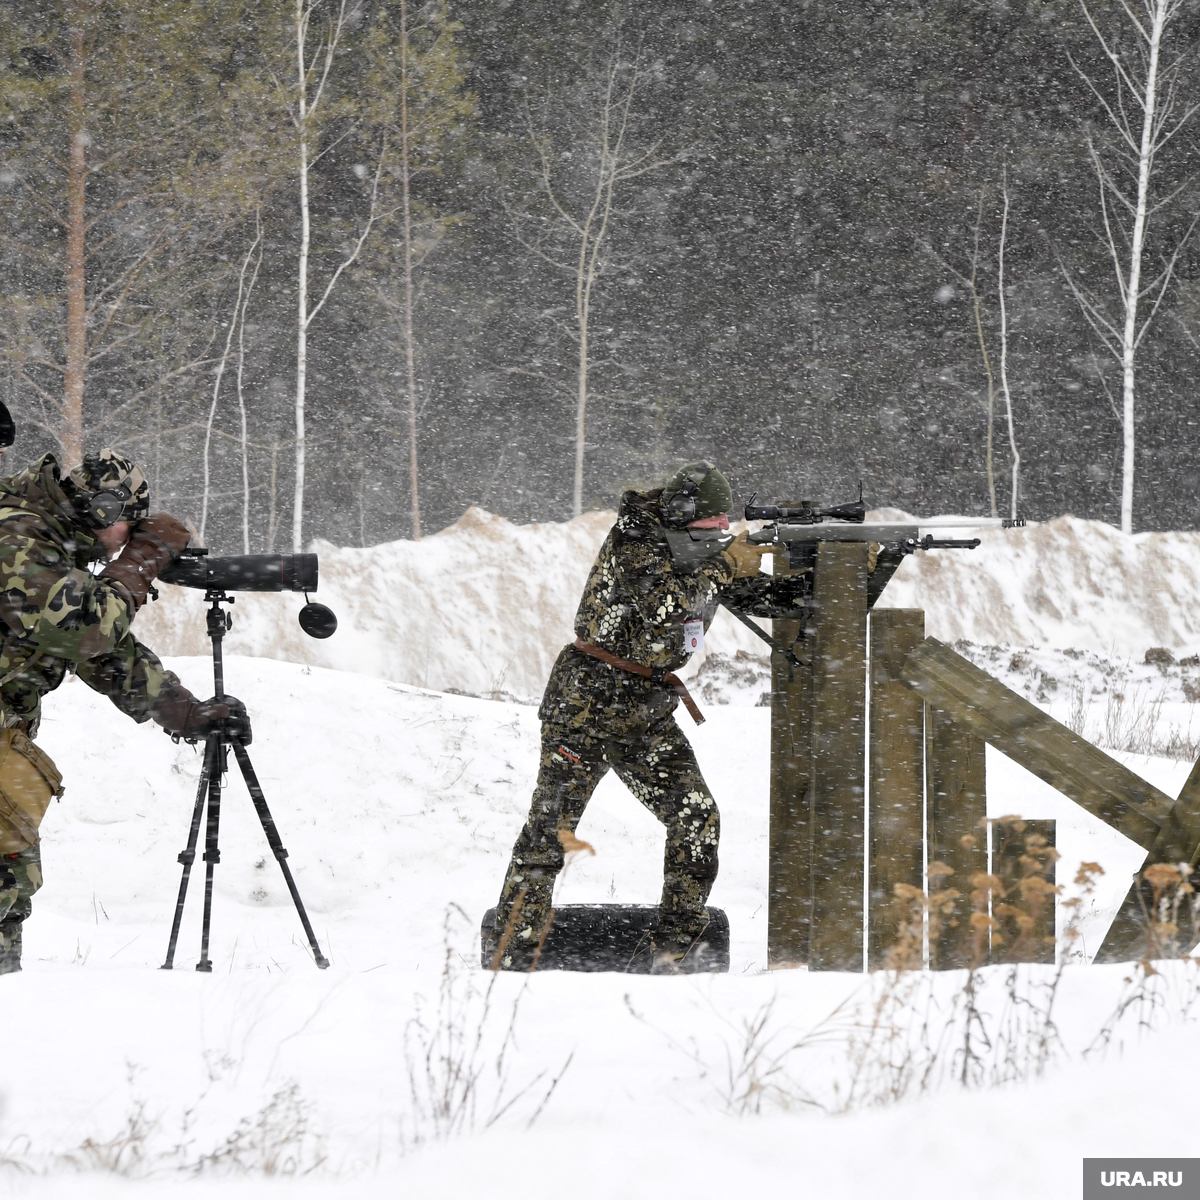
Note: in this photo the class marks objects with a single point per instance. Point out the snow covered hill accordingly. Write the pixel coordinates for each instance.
(398, 807)
(484, 606)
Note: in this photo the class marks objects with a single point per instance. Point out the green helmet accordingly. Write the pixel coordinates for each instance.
(694, 492)
(108, 488)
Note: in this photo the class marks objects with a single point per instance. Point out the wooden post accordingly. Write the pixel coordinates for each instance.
(838, 772)
(789, 869)
(956, 832)
(1024, 850)
(897, 776)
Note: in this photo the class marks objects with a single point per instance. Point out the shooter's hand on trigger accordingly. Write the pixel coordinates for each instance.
(744, 558)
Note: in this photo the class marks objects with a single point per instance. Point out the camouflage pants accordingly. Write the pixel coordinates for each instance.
(660, 769)
(20, 877)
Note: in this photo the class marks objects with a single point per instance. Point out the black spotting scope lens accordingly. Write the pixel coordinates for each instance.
(244, 572)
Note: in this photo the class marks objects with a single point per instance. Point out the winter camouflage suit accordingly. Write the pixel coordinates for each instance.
(596, 717)
(56, 616)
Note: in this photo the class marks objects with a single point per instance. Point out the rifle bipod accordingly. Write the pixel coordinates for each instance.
(216, 760)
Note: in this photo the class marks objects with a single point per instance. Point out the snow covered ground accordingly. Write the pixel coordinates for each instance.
(399, 806)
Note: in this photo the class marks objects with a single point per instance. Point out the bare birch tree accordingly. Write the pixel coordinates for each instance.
(422, 104)
(580, 171)
(1015, 490)
(971, 281)
(235, 324)
(313, 107)
(1144, 110)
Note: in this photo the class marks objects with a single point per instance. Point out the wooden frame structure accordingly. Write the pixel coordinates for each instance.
(916, 781)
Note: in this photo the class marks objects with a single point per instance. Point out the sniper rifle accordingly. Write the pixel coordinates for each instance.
(793, 532)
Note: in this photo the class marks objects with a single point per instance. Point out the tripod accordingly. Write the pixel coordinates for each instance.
(216, 760)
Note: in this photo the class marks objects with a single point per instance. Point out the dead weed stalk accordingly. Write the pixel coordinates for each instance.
(458, 1055)
(1164, 985)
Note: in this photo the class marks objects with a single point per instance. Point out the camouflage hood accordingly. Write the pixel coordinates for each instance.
(638, 515)
(39, 489)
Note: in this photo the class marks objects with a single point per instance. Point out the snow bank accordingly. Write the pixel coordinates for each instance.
(1067, 584)
(485, 606)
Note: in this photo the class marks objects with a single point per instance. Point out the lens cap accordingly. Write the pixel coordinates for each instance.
(317, 621)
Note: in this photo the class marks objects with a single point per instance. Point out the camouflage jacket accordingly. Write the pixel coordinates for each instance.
(56, 615)
(635, 605)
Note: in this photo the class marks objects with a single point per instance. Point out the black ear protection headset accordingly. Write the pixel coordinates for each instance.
(679, 510)
(104, 508)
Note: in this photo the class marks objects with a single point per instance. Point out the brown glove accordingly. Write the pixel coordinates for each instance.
(744, 558)
(182, 715)
(154, 543)
(872, 556)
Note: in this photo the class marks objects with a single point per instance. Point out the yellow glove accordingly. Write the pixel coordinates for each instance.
(744, 558)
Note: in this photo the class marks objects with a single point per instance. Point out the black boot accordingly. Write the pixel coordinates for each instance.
(10, 947)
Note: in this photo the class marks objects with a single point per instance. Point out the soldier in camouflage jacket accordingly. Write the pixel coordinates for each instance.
(56, 616)
(648, 599)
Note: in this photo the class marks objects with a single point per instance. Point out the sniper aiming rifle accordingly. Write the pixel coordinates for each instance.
(793, 532)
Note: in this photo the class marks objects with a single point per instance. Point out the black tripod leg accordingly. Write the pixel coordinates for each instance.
(273, 840)
(188, 856)
(212, 855)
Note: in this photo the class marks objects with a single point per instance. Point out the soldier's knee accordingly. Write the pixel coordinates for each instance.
(697, 811)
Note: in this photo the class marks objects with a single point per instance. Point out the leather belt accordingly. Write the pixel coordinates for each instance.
(655, 673)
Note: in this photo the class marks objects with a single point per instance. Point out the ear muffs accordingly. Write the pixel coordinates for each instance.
(106, 507)
(679, 510)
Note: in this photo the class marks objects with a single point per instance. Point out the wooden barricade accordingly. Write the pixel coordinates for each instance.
(932, 714)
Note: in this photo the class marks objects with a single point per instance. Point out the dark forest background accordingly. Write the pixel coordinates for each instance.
(777, 295)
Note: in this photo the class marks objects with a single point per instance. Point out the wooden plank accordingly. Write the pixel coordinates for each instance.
(1178, 841)
(838, 780)
(956, 833)
(1037, 742)
(896, 794)
(789, 866)
(1024, 849)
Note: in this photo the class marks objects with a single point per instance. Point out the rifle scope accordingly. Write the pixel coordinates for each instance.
(243, 572)
(806, 514)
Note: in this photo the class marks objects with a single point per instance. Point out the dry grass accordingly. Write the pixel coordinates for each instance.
(1132, 721)
(757, 1056)
(1152, 996)
(278, 1140)
(912, 1030)
(458, 1054)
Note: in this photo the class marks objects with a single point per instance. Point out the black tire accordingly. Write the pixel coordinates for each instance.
(612, 937)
